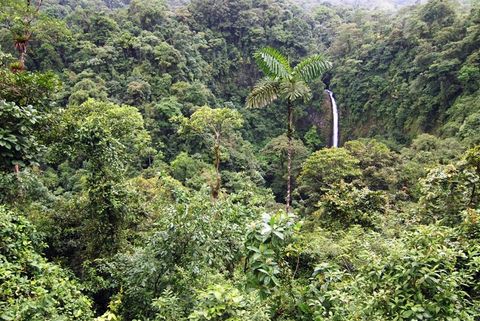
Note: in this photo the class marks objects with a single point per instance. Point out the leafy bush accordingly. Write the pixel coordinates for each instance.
(345, 205)
(18, 142)
(265, 243)
(186, 243)
(321, 171)
(450, 189)
(30, 287)
(427, 278)
(224, 302)
(376, 161)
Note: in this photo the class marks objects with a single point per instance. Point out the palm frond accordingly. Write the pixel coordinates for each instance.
(295, 89)
(312, 67)
(264, 93)
(272, 63)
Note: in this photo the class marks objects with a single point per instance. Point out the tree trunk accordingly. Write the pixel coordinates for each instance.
(21, 47)
(216, 188)
(23, 56)
(21, 44)
(289, 153)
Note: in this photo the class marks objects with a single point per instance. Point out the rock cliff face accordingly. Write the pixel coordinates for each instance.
(319, 114)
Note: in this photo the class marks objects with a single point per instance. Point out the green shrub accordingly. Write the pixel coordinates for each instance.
(32, 289)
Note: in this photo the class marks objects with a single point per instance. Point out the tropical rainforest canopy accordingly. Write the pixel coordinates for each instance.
(173, 160)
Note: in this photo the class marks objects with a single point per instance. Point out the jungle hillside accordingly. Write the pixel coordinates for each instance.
(239, 160)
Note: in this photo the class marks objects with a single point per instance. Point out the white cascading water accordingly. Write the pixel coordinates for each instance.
(335, 119)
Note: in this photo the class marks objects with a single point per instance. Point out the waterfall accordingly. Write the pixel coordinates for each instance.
(335, 119)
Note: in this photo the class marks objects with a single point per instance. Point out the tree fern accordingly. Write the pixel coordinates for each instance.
(311, 67)
(293, 90)
(273, 63)
(290, 84)
(264, 93)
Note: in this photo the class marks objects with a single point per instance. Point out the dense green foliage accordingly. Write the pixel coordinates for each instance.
(32, 288)
(417, 73)
(138, 183)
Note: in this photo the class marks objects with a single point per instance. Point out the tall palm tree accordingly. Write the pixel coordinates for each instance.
(289, 84)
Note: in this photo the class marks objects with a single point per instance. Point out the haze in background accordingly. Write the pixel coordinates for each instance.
(371, 4)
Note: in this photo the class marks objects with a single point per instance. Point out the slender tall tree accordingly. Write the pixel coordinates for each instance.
(287, 83)
(217, 126)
